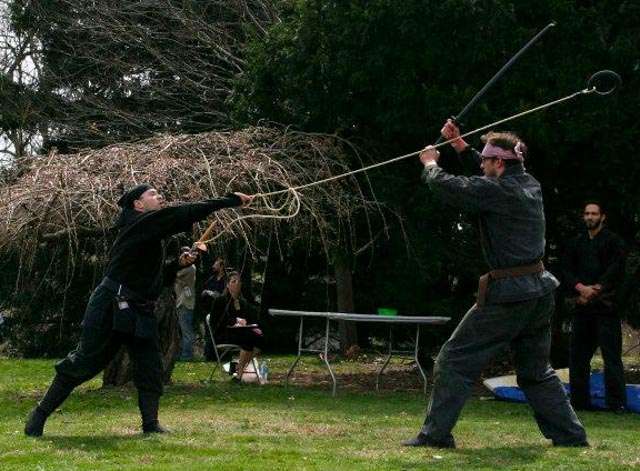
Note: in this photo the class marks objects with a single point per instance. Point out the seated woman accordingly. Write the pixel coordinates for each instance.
(233, 322)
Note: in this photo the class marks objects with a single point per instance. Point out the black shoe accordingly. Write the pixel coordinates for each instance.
(422, 440)
(154, 427)
(573, 444)
(618, 410)
(35, 423)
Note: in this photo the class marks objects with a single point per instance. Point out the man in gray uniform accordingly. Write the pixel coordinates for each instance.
(515, 299)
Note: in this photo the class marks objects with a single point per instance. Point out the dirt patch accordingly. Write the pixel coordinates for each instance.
(361, 377)
(358, 376)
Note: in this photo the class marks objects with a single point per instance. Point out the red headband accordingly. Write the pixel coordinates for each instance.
(498, 152)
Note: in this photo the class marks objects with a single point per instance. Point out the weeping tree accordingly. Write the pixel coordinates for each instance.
(59, 209)
(122, 70)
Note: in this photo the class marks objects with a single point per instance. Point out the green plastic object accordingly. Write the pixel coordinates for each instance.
(387, 311)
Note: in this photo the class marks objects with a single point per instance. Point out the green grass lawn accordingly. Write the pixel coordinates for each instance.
(221, 426)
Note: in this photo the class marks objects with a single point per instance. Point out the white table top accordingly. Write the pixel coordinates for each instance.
(347, 316)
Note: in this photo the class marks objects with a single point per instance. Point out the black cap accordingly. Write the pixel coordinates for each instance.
(127, 199)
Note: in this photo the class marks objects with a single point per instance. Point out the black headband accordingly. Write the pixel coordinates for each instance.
(127, 199)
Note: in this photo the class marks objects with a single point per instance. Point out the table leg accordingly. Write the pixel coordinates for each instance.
(325, 357)
(415, 356)
(300, 337)
(386, 361)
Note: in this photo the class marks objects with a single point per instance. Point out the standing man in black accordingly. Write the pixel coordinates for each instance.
(593, 270)
(515, 299)
(120, 310)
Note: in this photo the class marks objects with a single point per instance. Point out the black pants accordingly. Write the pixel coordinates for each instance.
(99, 343)
(482, 335)
(589, 332)
(247, 339)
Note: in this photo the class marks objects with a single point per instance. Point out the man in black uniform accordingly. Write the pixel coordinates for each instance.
(120, 310)
(515, 299)
(593, 270)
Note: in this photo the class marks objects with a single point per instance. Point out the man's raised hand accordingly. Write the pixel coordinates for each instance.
(429, 156)
(451, 131)
(187, 258)
(246, 199)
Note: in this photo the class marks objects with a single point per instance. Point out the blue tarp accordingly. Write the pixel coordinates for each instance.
(515, 394)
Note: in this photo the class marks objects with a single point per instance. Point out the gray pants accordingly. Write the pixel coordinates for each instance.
(485, 333)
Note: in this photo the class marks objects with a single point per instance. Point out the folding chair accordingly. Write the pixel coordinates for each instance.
(222, 350)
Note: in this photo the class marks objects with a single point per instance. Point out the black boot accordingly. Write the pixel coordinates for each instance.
(148, 404)
(580, 443)
(35, 422)
(154, 427)
(422, 440)
(60, 388)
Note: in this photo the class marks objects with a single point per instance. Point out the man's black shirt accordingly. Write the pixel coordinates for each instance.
(595, 261)
(136, 259)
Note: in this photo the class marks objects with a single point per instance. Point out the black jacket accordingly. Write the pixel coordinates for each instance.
(600, 260)
(136, 259)
(225, 313)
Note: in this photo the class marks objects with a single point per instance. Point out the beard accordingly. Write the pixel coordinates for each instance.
(592, 224)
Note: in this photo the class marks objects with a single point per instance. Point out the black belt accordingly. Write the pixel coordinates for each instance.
(120, 289)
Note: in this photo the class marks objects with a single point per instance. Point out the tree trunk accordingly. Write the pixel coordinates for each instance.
(120, 370)
(344, 295)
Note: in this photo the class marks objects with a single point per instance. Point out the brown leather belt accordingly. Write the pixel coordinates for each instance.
(500, 273)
